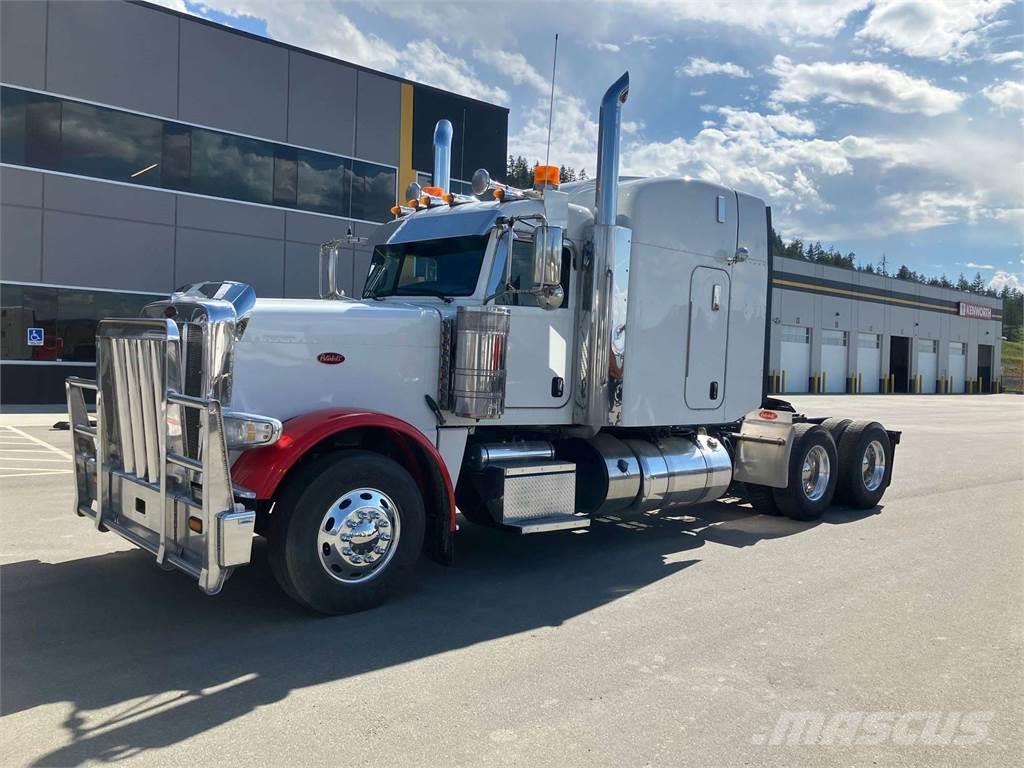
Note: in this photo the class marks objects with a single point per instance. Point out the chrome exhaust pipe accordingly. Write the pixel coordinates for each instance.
(609, 129)
(601, 323)
(443, 155)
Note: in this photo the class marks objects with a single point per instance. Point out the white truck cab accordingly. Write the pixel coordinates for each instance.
(533, 359)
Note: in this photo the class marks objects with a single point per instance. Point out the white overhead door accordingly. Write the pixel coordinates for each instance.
(927, 364)
(796, 358)
(869, 361)
(833, 361)
(957, 365)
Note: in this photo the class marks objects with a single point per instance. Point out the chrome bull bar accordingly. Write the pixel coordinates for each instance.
(134, 474)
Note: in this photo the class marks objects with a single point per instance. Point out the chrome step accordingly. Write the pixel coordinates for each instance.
(534, 495)
(552, 523)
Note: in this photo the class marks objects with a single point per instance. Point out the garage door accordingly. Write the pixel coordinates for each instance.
(796, 358)
(957, 365)
(869, 361)
(927, 364)
(833, 361)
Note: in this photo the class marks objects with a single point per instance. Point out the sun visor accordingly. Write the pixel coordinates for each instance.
(444, 223)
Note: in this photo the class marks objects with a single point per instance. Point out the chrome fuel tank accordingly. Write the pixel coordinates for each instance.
(680, 471)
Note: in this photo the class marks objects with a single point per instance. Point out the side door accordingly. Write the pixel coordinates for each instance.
(709, 338)
(539, 361)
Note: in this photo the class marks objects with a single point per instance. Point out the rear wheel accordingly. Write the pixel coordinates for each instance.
(865, 464)
(812, 474)
(346, 532)
(836, 427)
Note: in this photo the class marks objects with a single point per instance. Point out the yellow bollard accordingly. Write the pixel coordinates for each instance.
(892, 383)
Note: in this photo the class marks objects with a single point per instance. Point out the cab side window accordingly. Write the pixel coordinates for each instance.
(521, 276)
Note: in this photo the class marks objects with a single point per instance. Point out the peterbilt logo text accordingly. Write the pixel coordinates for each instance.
(330, 358)
(768, 415)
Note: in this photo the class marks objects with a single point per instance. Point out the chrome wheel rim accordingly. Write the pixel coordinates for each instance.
(359, 535)
(815, 473)
(872, 466)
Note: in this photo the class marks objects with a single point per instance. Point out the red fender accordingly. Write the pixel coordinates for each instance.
(262, 469)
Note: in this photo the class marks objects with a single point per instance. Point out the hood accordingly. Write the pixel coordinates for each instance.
(300, 355)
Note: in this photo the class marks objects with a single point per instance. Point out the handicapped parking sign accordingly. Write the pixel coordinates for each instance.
(35, 337)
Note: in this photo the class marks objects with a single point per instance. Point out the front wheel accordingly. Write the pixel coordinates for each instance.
(346, 532)
(813, 472)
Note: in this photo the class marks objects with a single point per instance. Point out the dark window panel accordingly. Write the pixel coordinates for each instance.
(78, 312)
(23, 307)
(177, 157)
(286, 172)
(111, 145)
(373, 191)
(12, 126)
(42, 132)
(324, 183)
(485, 144)
(232, 166)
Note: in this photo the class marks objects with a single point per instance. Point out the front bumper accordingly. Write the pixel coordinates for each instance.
(141, 473)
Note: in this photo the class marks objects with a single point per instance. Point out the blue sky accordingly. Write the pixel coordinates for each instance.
(875, 126)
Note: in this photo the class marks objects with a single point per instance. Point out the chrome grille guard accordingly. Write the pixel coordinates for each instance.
(134, 473)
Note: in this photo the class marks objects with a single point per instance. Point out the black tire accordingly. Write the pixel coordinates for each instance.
(854, 489)
(836, 427)
(793, 500)
(294, 551)
(762, 499)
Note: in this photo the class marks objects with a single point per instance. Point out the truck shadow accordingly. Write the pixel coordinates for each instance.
(114, 631)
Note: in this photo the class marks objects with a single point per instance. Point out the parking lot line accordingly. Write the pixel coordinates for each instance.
(37, 441)
(30, 458)
(35, 473)
(22, 455)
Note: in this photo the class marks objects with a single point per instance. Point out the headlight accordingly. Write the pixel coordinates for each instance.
(245, 430)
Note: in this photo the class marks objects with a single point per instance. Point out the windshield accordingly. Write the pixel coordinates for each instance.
(445, 267)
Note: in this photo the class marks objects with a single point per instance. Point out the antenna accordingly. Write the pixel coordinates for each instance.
(551, 106)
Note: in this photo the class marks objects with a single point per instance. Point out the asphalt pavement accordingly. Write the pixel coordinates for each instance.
(710, 636)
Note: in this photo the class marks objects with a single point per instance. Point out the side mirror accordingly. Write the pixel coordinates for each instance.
(547, 256)
(547, 266)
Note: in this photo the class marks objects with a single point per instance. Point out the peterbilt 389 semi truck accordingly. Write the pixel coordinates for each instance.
(534, 359)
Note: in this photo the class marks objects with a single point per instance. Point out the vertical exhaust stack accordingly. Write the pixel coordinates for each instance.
(601, 325)
(443, 155)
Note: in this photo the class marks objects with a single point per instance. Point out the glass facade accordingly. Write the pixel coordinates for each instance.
(51, 133)
(67, 317)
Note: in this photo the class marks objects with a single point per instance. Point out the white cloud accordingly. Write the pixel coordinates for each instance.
(867, 83)
(698, 93)
(322, 27)
(929, 28)
(698, 66)
(1003, 279)
(915, 211)
(428, 63)
(1007, 95)
(801, 18)
(972, 265)
(515, 66)
(609, 47)
(1005, 57)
